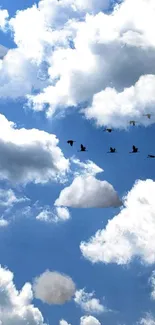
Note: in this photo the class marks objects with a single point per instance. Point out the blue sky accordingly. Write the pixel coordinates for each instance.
(109, 78)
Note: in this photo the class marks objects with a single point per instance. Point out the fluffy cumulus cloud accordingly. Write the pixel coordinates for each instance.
(116, 108)
(66, 31)
(54, 288)
(101, 40)
(16, 307)
(88, 192)
(88, 302)
(89, 320)
(29, 155)
(50, 216)
(148, 320)
(129, 234)
(86, 320)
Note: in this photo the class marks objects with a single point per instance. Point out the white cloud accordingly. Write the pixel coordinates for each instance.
(89, 320)
(63, 322)
(88, 192)
(3, 51)
(152, 283)
(86, 320)
(115, 90)
(29, 155)
(85, 168)
(101, 40)
(62, 213)
(16, 306)
(59, 214)
(88, 303)
(3, 222)
(3, 18)
(18, 75)
(54, 288)
(129, 234)
(8, 198)
(113, 108)
(148, 320)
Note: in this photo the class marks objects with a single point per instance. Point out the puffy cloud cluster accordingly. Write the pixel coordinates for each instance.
(113, 47)
(89, 320)
(88, 192)
(29, 155)
(129, 234)
(148, 320)
(16, 307)
(85, 320)
(117, 51)
(88, 303)
(48, 215)
(54, 288)
(8, 198)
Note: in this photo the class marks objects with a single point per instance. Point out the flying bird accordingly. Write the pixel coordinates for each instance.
(108, 130)
(150, 156)
(132, 123)
(148, 115)
(83, 148)
(112, 150)
(134, 150)
(71, 142)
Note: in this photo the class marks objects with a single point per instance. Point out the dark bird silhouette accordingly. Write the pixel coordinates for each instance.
(148, 115)
(108, 130)
(83, 148)
(134, 150)
(112, 150)
(71, 142)
(150, 156)
(132, 123)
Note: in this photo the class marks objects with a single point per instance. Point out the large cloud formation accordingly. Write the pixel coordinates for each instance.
(129, 234)
(88, 192)
(54, 288)
(29, 155)
(118, 56)
(113, 47)
(16, 306)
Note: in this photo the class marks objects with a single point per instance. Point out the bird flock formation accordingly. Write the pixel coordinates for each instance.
(113, 150)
